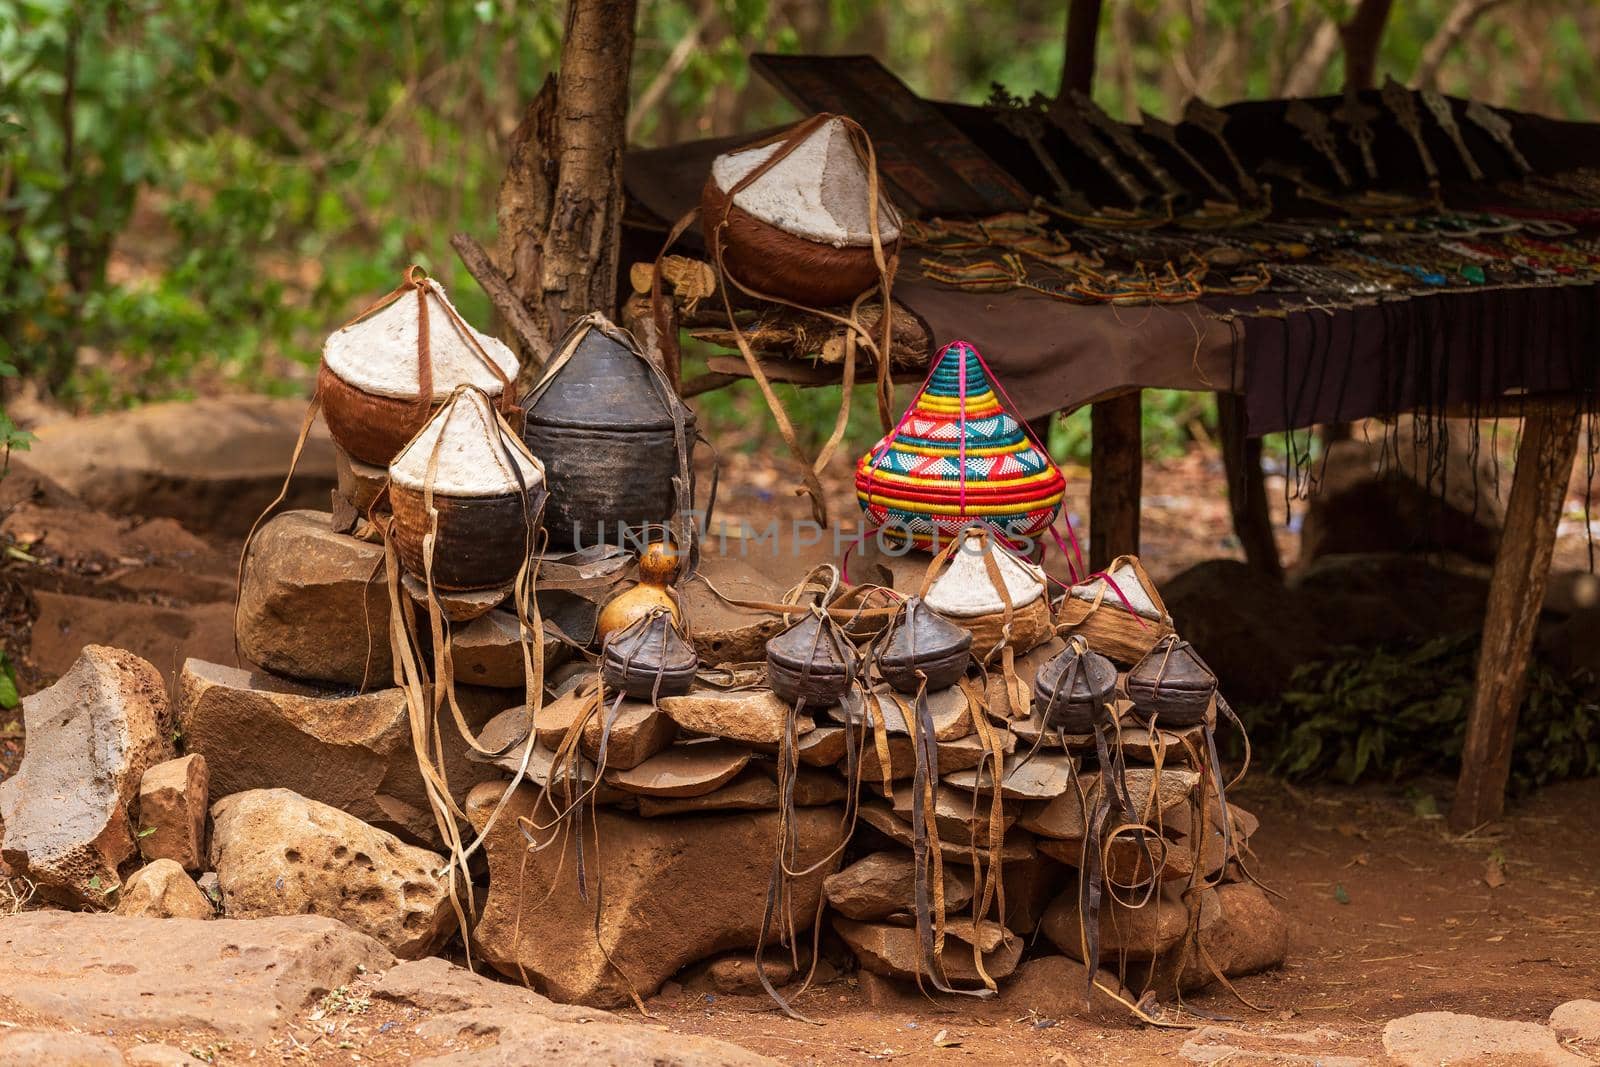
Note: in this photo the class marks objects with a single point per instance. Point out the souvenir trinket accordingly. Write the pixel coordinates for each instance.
(650, 658)
(924, 648)
(466, 495)
(1439, 107)
(383, 374)
(615, 439)
(793, 218)
(1171, 685)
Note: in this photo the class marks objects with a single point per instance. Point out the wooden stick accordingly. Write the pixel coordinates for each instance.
(1247, 489)
(511, 309)
(1516, 595)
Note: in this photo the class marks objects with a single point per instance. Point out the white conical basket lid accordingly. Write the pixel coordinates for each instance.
(473, 453)
(965, 590)
(378, 354)
(1128, 584)
(818, 191)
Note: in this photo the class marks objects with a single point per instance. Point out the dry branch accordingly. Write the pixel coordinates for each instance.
(515, 314)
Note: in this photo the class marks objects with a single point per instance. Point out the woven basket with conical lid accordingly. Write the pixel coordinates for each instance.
(383, 374)
(955, 458)
(1119, 612)
(800, 229)
(616, 442)
(812, 660)
(1172, 684)
(486, 492)
(966, 593)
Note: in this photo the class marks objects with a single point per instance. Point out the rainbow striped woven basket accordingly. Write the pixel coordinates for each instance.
(956, 457)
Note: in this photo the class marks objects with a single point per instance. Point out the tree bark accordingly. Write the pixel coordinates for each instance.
(1516, 595)
(1361, 36)
(560, 204)
(1116, 479)
(1083, 30)
(1305, 76)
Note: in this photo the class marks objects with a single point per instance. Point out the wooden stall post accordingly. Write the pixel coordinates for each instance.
(1247, 488)
(1516, 594)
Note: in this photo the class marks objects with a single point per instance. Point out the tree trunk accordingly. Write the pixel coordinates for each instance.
(1361, 36)
(1456, 26)
(560, 204)
(1083, 30)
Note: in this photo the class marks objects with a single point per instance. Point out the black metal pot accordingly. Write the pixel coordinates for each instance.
(1069, 688)
(1172, 684)
(603, 423)
(927, 642)
(649, 659)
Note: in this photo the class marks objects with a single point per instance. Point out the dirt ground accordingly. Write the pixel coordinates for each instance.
(1390, 913)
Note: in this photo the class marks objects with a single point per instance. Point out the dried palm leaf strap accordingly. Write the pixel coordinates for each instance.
(410, 674)
(685, 531)
(786, 853)
(886, 264)
(416, 280)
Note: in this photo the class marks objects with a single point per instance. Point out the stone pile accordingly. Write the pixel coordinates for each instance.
(299, 791)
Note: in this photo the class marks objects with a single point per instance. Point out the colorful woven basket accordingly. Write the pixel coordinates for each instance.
(957, 457)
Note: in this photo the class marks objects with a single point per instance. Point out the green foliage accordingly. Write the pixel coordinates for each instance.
(9, 697)
(1393, 714)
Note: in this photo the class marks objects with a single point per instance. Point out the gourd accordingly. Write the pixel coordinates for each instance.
(658, 567)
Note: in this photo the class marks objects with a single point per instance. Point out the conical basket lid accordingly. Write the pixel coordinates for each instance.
(923, 636)
(958, 457)
(818, 191)
(814, 640)
(1173, 665)
(966, 591)
(379, 352)
(598, 380)
(470, 451)
(650, 645)
(1096, 677)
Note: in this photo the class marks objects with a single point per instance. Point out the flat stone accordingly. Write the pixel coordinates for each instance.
(456, 605)
(164, 890)
(822, 747)
(54, 1048)
(1577, 1020)
(962, 754)
(1044, 777)
(883, 884)
(1127, 933)
(313, 603)
(488, 651)
(155, 1055)
(214, 463)
(1062, 818)
(438, 986)
(751, 791)
(523, 1039)
(277, 853)
(1229, 1045)
(1030, 887)
(1430, 1038)
(1246, 934)
(959, 819)
(687, 770)
(892, 951)
(239, 979)
(1019, 846)
(67, 812)
(173, 802)
(350, 751)
(1057, 988)
(948, 708)
(756, 716)
(557, 717)
(737, 975)
(675, 892)
(575, 773)
(721, 632)
(639, 730)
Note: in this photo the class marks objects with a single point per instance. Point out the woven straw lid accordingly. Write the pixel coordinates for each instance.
(471, 450)
(378, 353)
(966, 591)
(1128, 584)
(818, 191)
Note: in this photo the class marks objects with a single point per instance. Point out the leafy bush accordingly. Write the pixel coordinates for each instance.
(1391, 714)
